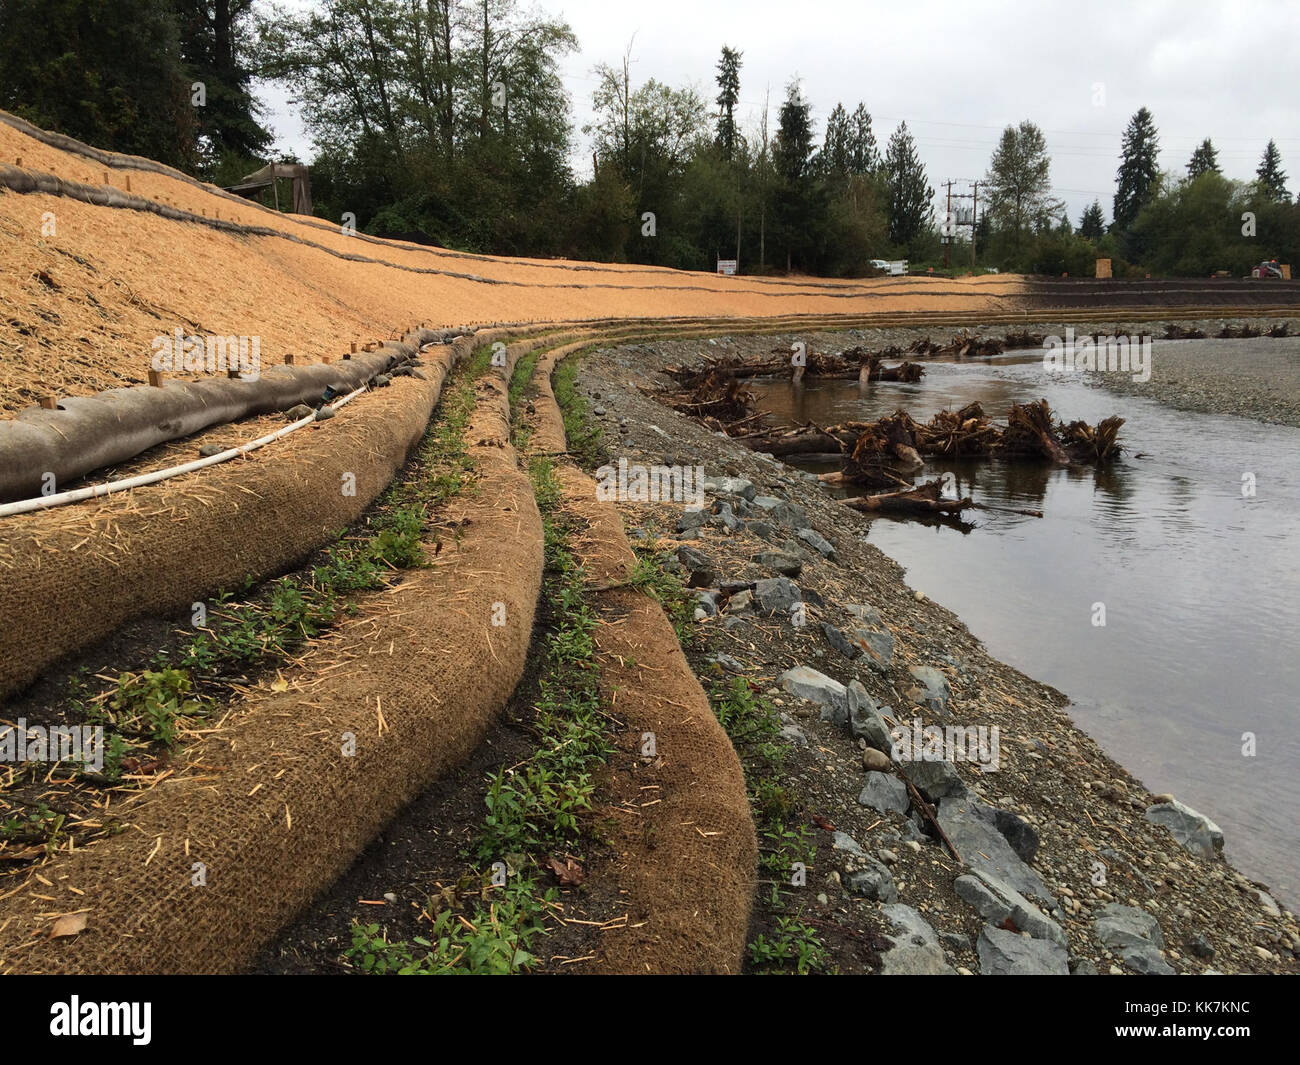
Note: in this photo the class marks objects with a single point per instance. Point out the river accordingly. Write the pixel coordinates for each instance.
(1200, 584)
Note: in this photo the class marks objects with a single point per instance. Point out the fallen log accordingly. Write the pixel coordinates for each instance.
(924, 499)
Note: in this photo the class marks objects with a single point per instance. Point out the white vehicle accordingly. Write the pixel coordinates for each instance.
(894, 268)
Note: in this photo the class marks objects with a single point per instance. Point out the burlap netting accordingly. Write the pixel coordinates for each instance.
(73, 575)
(687, 863)
(269, 802)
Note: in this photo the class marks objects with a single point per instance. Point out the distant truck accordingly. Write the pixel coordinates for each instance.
(1268, 268)
(894, 268)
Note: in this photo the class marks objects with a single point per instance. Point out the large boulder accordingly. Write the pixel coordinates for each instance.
(916, 950)
(1193, 830)
(1004, 953)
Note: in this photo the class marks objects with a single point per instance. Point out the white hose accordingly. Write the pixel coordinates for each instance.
(23, 506)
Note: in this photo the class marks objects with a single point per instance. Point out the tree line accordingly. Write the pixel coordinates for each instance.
(446, 121)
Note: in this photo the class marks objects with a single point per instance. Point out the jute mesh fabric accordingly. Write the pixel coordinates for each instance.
(271, 802)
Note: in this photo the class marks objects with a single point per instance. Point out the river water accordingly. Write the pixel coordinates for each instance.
(1200, 583)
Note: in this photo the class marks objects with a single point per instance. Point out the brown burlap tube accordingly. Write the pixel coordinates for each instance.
(271, 807)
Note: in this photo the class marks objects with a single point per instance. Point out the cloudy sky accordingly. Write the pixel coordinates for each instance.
(959, 72)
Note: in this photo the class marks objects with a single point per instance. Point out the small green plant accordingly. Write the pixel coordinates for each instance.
(792, 946)
(153, 701)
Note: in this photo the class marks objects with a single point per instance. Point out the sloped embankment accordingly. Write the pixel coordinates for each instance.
(274, 803)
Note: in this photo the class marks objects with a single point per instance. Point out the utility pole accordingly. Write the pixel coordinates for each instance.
(947, 225)
(974, 223)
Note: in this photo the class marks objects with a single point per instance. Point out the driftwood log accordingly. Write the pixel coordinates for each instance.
(923, 499)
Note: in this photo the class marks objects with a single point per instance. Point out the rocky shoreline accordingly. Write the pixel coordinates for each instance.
(1067, 863)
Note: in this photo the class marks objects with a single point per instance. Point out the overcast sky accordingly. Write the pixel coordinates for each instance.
(959, 72)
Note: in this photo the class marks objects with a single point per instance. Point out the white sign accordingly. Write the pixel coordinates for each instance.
(727, 266)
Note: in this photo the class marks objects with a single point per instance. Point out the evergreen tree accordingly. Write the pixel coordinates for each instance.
(1092, 223)
(1270, 175)
(792, 152)
(910, 194)
(836, 145)
(864, 156)
(215, 39)
(1138, 171)
(1205, 160)
(108, 72)
(728, 94)
(1019, 183)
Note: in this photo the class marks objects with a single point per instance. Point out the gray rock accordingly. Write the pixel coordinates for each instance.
(1083, 967)
(817, 542)
(778, 510)
(936, 779)
(829, 694)
(325, 414)
(776, 595)
(741, 603)
(729, 486)
(955, 940)
(761, 529)
(1018, 832)
(725, 517)
(1147, 960)
(838, 640)
(995, 900)
(876, 645)
(786, 565)
(703, 572)
(863, 613)
(707, 600)
(969, 824)
(1200, 946)
(794, 735)
(884, 793)
(842, 841)
(916, 950)
(692, 517)
(208, 450)
(383, 380)
(1194, 831)
(731, 665)
(931, 689)
(1003, 953)
(299, 412)
(1121, 926)
(865, 721)
(872, 880)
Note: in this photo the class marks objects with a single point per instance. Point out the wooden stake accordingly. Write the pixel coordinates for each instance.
(155, 379)
(128, 183)
(354, 347)
(288, 359)
(49, 402)
(232, 374)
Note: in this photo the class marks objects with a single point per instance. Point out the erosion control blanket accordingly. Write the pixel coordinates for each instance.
(74, 575)
(276, 802)
(687, 862)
